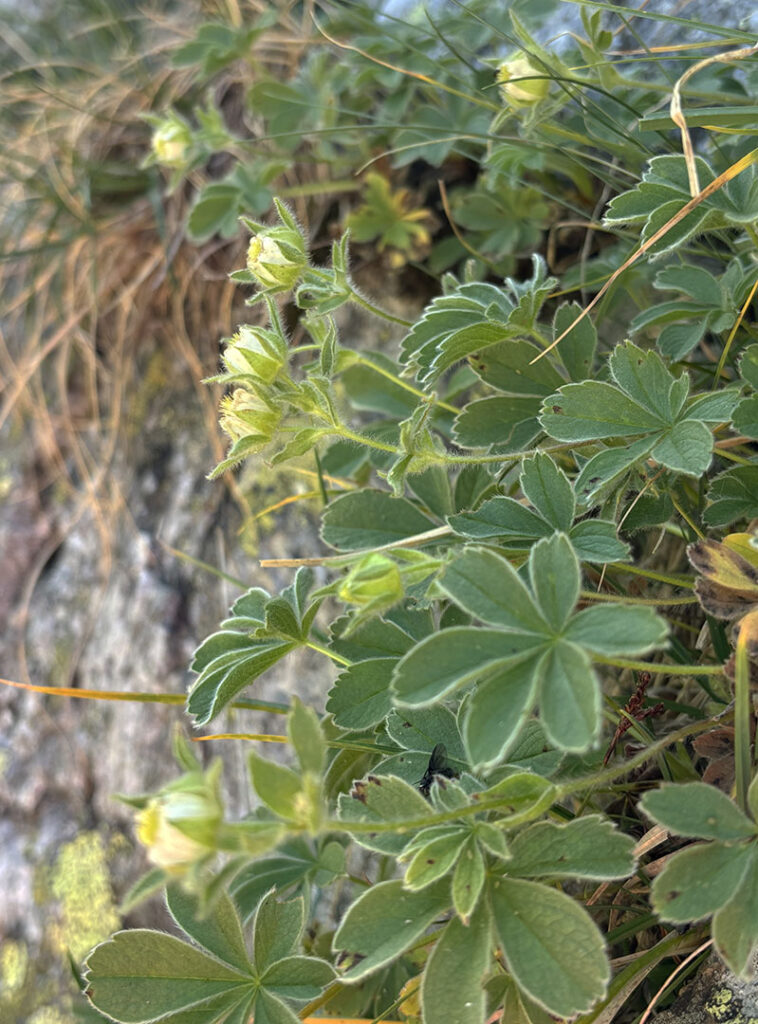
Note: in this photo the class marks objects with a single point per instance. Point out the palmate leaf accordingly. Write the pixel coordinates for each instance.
(540, 651)
(661, 194)
(142, 975)
(260, 632)
(646, 401)
(718, 878)
(552, 496)
(472, 318)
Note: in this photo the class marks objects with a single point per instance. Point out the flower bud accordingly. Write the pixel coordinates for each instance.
(526, 90)
(180, 824)
(375, 580)
(172, 142)
(276, 258)
(255, 351)
(244, 414)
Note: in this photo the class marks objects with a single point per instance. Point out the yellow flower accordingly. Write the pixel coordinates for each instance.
(180, 824)
(171, 142)
(518, 85)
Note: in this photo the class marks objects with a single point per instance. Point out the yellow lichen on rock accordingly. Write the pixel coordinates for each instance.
(80, 882)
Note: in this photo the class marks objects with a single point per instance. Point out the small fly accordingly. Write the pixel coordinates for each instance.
(437, 766)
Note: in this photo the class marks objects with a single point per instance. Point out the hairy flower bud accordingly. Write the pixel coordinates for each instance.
(171, 142)
(518, 86)
(180, 824)
(257, 352)
(244, 414)
(276, 258)
(375, 579)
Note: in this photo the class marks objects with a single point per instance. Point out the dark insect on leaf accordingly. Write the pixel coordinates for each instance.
(437, 766)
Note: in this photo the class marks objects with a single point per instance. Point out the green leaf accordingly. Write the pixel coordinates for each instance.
(644, 378)
(377, 638)
(699, 810)
(497, 709)
(551, 946)
(610, 629)
(382, 800)
(500, 517)
(432, 488)
(368, 519)
(489, 588)
(276, 931)
(602, 469)
(595, 540)
(290, 866)
(549, 490)
(276, 785)
(472, 483)
(298, 977)
(361, 696)
(384, 921)
(745, 417)
(686, 448)
(215, 211)
(303, 441)
(569, 697)
(222, 679)
(690, 225)
(594, 410)
(509, 367)
(749, 365)
(372, 391)
(555, 578)
(468, 879)
(588, 847)
(433, 860)
(141, 975)
(508, 422)
(577, 350)
(451, 989)
(518, 792)
(306, 737)
(219, 931)
(731, 496)
(735, 925)
(423, 728)
(699, 880)
(451, 659)
(144, 887)
(269, 1009)
(676, 340)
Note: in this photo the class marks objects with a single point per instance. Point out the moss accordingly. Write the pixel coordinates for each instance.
(79, 880)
